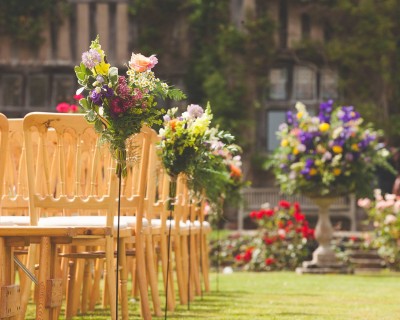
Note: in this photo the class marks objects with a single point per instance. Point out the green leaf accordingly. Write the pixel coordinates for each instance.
(113, 75)
(98, 125)
(91, 116)
(84, 104)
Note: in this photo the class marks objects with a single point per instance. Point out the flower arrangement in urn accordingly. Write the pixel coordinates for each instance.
(119, 105)
(330, 154)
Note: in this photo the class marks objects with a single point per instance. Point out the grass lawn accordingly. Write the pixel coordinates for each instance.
(286, 295)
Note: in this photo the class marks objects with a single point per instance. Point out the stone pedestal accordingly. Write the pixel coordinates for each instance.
(324, 258)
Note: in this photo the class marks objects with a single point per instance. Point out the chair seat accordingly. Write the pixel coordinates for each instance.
(14, 221)
(98, 221)
(206, 224)
(157, 223)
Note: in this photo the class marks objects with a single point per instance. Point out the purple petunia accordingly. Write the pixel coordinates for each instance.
(347, 114)
(96, 97)
(325, 110)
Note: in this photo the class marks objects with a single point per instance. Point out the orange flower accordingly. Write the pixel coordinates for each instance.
(140, 63)
(235, 171)
(172, 123)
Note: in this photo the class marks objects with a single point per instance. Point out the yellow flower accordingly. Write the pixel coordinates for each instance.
(313, 172)
(337, 149)
(284, 143)
(295, 151)
(299, 115)
(102, 68)
(324, 127)
(354, 147)
(337, 171)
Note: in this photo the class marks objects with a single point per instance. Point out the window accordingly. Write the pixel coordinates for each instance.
(274, 119)
(63, 89)
(305, 83)
(278, 79)
(38, 91)
(12, 94)
(329, 84)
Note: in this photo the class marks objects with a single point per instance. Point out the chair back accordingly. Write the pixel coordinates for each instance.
(68, 171)
(133, 186)
(3, 148)
(15, 198)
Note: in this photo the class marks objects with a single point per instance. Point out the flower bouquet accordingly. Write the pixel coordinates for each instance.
(183, 141)
(384, 212)
(331, 154)
(219, 173)
(119, 105)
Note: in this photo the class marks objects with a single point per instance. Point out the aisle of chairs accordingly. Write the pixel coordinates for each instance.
(58, 224)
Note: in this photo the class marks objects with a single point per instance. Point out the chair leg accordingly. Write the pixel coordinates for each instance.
(87, 284)
(44, 273)
(152, 275)
(123, 279)
(194, 265)
(164, 264)
(205, 262)
(111, 276)
(179, 270)
(95, 293)
(141, 278)
(27, 288)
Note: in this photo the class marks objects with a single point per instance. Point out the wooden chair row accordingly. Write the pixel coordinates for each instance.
(70, 181)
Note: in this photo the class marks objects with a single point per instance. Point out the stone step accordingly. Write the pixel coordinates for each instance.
(375, 263)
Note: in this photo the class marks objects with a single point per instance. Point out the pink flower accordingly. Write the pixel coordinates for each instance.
(73, 108)
(364, 203)
(390, 219)
(63, 107)
(140, 63)
(396, 207)
(78, 97)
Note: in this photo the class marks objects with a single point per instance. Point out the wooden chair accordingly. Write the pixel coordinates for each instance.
(69, 187)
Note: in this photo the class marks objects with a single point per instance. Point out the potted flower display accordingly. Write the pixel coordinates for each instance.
(325, 156)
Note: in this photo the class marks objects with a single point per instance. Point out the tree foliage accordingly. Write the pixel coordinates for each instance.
(365, 45)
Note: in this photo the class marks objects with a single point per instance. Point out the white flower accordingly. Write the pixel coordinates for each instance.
(390, 219)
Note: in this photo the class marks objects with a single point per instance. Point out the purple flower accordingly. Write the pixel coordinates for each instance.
(309, 163)
(325, 110)
(96, 97)
(91, 58)
(195, 111)
(166, 118)
(290, 119)
(100, 79)
(107, 91)
(347, 114)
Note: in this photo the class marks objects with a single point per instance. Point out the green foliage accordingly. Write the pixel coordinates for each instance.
(223, 64)
(24, 20)
(365, 46)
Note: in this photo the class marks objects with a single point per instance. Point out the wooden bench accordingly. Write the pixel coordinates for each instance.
(254, 198)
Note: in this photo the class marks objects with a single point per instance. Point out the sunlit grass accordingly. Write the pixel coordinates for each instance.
(286, 295)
